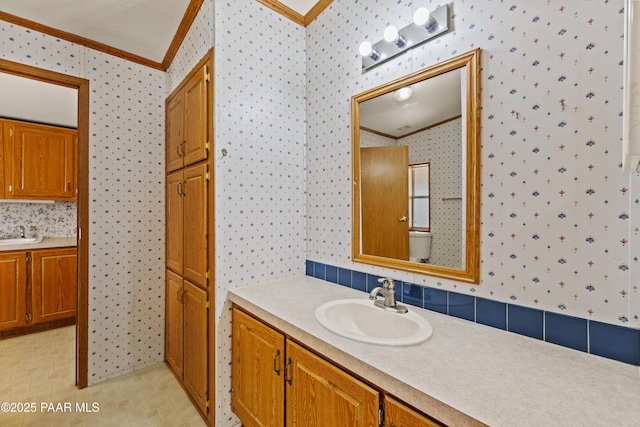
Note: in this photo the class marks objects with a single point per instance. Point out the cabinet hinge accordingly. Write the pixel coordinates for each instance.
(207, 76)
(206, 275)
(10, 132)
(207, 176)
(29, 317)
(29, 258)
(207, 305)
(207, 404)
(207, 146)
(381, 414)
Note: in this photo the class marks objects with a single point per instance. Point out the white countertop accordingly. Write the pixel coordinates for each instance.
(466, 373)
(46, 243)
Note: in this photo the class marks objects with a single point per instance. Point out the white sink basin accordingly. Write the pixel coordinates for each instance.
(360, 320)
(21, 241)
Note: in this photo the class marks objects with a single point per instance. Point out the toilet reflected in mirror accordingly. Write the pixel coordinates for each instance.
(420, 246)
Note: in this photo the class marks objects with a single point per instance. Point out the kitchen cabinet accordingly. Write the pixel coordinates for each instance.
(39, 161)
(54, 275)
(13, 287)
(277, 382)
(186, 336)
(39, 290)
(187, 121)
(189, 328)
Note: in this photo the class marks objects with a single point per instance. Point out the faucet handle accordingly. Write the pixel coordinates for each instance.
(387, 283)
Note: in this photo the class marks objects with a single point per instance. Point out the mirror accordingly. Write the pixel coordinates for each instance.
(416, 171)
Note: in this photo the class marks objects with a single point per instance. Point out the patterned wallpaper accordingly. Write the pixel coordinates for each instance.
(40, 219)
(558, 230)
(126, 191)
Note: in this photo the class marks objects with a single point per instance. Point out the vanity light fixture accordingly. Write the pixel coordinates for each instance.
(426, 25)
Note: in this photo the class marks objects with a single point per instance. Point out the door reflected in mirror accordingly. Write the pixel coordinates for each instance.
(416, 172)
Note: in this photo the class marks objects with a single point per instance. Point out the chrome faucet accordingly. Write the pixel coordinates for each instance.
(22, 231)
(388, 291)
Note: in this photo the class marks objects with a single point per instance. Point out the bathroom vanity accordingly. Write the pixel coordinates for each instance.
(464, 374)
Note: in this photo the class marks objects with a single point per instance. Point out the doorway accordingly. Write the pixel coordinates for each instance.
(82, 87)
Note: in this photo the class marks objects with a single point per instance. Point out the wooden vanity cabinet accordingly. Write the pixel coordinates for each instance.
(398, 414)
(39, 161)
(258, 358)
(13, 287)
(277, 382)
(319, 393)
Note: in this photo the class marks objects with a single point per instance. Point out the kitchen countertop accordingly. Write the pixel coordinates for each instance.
(47, 242)
(466, 373)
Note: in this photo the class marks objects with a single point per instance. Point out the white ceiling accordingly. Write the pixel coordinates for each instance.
(433, 101)
(141, 27)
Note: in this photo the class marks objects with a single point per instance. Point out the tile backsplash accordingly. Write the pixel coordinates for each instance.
(602, 339)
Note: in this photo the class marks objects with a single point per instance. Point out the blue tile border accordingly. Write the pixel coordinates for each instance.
(602, 339)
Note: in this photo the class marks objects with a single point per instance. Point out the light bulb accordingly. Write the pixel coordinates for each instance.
(366, 49)
(421, 16)
(403, 94)
(391, 34)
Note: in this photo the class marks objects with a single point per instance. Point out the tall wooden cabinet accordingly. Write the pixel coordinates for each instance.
(39, 161)
(189, 329)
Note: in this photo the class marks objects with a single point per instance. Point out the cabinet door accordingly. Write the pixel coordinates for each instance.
(195, 225)
(399, 415)
(175, 221)
(175, 132)
(40, 162)
(195, 118)
(321, 394)
(257, 372)
(174, 326)
(13, 285)
(195, 344)
(54, 274)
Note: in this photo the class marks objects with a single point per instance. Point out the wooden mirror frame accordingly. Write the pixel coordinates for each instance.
(471, 271)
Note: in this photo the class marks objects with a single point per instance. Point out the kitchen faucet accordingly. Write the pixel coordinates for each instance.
(388, 291)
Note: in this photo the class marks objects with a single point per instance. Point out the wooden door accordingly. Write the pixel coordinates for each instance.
(384, 196)
(195, 119)
(55, 284)
(175, 132)
(175, 222)
(399, 415)
(13, 286)
(195, 372)
(174, 326)
(41, 163)
(257, 376)
(320, 394)
(195, 225)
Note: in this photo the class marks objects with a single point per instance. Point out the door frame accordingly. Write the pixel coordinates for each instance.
(82, 311)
